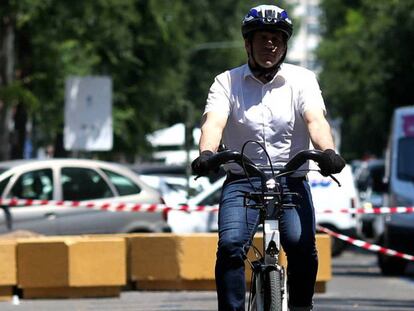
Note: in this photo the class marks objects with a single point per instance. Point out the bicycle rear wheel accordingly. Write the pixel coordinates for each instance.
(273, 290)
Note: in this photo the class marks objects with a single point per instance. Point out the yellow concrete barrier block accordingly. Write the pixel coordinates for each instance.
(8, 274)
(202, 247)
(169, 261)
(323, 245)
(154, 257)
(72, 292)
(70, 265)
(6, 293)
(8, 263)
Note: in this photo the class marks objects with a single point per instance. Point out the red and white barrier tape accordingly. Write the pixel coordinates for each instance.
(365, 245)
(109, 206)
(368, 209)
(139, 207)
(132, 207)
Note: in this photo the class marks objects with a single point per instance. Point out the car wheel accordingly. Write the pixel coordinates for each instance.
(141, 230)
(390, 265)
(337, 245)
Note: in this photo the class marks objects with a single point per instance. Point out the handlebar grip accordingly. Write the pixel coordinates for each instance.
(229, 156)
(300, 158)
(223, 157)
(297, 161)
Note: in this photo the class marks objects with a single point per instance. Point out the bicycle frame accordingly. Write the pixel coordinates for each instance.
(269, 278)
(267, 266)
(270, 235)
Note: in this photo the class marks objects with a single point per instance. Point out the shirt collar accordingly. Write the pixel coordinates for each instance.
(247, 72)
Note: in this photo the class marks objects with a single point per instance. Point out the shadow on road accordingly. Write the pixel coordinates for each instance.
(328, 304)
(359, 262)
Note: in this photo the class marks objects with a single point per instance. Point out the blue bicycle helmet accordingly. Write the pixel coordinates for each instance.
(267, 17)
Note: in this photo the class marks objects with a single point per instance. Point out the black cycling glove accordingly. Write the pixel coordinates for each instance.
(200, 164)
(333, 163)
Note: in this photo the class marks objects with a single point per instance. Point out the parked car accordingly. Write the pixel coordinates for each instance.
(398, 229)
(368, 178)
(176, 189)
(326, 196)
(158, 169)
(75, 180)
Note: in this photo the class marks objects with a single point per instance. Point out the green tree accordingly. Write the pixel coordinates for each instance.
(83, 38)
(161, 54)
(16, 97)
(365, 56)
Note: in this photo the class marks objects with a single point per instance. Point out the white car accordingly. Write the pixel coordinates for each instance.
(326, 196)
(174, 192)
(75, 180)
(176, 189)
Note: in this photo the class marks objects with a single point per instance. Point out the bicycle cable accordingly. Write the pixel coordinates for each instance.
(267, 156)
(261, 198)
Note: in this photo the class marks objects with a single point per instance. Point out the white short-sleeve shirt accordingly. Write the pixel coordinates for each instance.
(270, 113)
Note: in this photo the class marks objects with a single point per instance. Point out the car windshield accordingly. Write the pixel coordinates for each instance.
(123, 185)
(405, 163)
(212, 199)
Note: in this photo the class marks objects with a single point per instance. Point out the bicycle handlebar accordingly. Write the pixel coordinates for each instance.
(291, 166)
(300, 158)
(234, 156)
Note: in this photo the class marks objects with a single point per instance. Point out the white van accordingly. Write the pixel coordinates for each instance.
(330, 202)
(396, 231)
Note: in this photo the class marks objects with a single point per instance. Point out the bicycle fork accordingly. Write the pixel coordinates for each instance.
(268, 271)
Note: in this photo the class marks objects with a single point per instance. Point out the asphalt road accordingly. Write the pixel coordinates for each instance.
(356, 285)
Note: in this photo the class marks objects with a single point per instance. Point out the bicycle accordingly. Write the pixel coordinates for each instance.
(268, 286)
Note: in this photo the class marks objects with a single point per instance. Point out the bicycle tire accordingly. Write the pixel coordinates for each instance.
(273, 294)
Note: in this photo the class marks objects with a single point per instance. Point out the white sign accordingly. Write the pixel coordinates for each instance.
(88, 114)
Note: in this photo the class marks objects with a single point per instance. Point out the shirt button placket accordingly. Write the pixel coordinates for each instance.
(267, 115)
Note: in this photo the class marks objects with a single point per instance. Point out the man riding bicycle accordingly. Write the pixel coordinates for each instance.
(281, 106)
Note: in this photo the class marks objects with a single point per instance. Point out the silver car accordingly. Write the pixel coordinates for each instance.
(75, 180)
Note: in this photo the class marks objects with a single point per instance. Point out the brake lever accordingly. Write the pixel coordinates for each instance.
(335, 180)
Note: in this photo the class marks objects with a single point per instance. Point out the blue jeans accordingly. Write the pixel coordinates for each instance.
(236, 225)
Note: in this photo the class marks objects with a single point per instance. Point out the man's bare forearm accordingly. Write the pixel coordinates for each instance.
(211, 131)
(210, 138)
(319, 130)
(321, 136)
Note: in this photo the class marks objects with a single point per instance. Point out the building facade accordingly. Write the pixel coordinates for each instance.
(307, 36)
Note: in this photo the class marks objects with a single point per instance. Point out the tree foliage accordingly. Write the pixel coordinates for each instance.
(367, 68)
(148, 47)
(162, 56)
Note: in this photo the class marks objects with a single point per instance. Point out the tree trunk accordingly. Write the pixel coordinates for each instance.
(6, 77)
(18, 136)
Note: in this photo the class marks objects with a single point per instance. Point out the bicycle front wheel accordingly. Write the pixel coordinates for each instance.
(273, 290)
